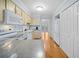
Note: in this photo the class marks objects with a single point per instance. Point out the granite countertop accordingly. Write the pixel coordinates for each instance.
(22, 49)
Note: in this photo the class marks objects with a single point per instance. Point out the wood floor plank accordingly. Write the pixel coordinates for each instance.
(52, 50)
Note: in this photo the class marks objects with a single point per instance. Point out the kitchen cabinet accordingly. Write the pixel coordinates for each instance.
(12, 18)
(18, 11)
(10, 5)
(36, 34)
(2, 7)
(26, 18)
(23, 18)
(35, 22)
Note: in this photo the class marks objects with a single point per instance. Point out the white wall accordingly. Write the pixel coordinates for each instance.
(66, 31)
(50, 27)
(61, 8)
(69, 28)
(56, 30)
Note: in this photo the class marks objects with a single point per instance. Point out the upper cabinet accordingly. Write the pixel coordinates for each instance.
(26, 18)
(23, 18)
(10, 5)
(18, 10)
(35, 22)
(2, 7)
(12, 18)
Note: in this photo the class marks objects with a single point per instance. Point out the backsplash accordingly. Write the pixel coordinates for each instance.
(6, 28)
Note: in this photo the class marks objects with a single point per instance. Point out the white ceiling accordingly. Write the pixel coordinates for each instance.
(50, 5)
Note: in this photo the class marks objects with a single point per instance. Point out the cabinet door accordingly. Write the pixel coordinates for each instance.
(2, 7)
(10, 5)
(35, 21)
(28, 18)
(18, 11)
(23, 18)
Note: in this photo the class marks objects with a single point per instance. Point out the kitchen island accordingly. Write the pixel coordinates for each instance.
(13, 48)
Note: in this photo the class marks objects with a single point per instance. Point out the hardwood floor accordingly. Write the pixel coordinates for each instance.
(52, 50)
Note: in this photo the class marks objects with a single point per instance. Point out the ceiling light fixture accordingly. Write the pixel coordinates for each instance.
(39, 8)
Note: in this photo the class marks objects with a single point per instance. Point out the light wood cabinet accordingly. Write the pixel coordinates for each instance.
(26, 18)
(29, 19)
(2, 7)
(35, 22)
(23, 17)
(18, 11)
(10, 5)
